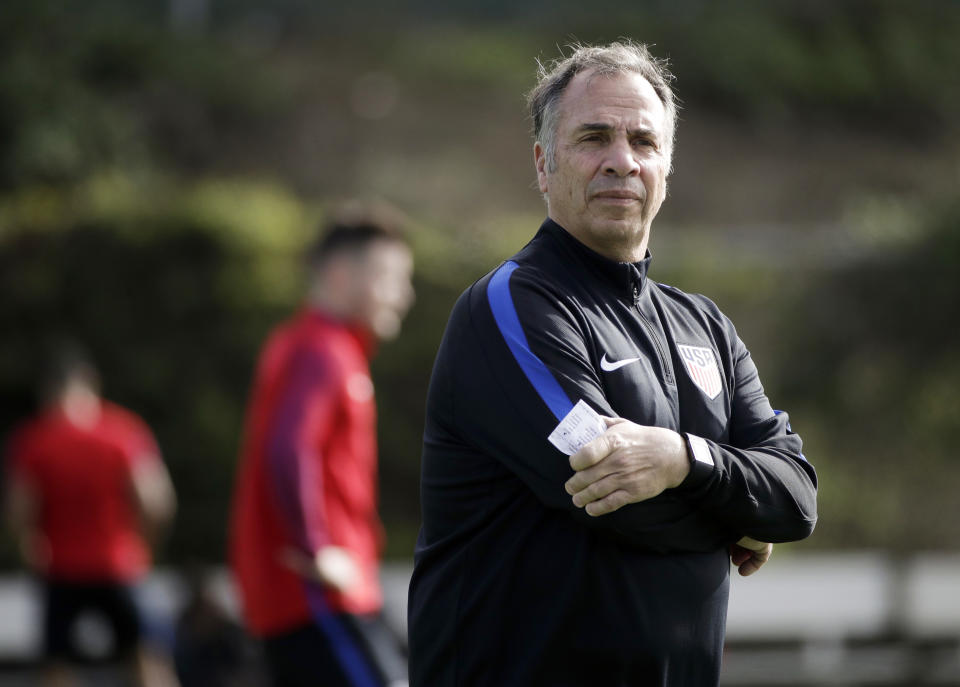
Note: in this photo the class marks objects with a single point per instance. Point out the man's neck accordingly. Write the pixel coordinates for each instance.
(629, 248)
(324, 300)
(81, 409)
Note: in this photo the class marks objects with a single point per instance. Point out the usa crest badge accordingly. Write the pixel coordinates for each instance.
(701, 365)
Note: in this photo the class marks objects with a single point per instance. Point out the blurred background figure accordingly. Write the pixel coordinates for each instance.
(306, 538)
(87, 498)
(211, 648)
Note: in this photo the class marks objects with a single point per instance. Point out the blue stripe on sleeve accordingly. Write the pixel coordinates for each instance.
(505, 315)
(285, 464)
(359, 672)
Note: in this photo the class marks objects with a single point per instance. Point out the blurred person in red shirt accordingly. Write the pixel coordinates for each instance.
(87, 496)
(305, 536)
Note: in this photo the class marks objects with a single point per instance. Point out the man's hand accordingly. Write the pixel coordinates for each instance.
(332, 566)
(749, 554)
(626, 464)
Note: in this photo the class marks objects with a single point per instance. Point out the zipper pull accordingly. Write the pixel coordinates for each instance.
(636, 295)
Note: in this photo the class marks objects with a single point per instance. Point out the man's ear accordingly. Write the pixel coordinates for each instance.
(540, 162)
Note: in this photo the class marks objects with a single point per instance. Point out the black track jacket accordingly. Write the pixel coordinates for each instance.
(515, 586)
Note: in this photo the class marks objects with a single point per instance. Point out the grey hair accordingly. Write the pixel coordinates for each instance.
(621, 57)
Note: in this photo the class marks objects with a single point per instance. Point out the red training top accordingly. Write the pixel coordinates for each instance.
(308, 474)
(89, 527)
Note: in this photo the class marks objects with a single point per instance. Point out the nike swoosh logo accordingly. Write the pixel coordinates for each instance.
(610, 366)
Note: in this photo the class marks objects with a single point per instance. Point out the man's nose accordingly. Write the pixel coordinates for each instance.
(621, 160)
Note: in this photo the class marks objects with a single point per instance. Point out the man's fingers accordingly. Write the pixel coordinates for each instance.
(749, 555)
(595, 490)
(638, 460)
(739, 555)
(583, 479)
(593, 452)
(337, 567)
(607, 466)
(608, 503)
(751, 566)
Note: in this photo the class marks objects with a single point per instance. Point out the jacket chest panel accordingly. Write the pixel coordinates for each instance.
(662, 371)
(629, 358)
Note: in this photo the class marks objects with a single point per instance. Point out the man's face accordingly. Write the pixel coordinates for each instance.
(382, 287)
(611, 163)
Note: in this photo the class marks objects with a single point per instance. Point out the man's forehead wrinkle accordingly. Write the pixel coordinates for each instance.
(632, 116)
(595, 126)
(605, 127)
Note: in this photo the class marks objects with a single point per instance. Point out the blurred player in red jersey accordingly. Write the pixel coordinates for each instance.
(87, 495)
(305, 536)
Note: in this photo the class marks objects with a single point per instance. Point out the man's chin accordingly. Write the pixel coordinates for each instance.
(386, 328)
(622, 227)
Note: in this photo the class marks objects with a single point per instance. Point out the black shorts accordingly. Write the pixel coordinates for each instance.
(341, 650)
(111, 602)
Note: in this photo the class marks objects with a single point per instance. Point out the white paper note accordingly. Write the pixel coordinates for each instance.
(580, 426)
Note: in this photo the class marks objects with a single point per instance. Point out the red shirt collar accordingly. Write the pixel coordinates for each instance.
(362, 335)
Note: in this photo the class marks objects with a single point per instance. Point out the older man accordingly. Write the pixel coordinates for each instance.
(610, 567)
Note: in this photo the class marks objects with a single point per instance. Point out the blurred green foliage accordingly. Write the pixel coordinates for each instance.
(159, 177)
(172, 302)
(880, 339)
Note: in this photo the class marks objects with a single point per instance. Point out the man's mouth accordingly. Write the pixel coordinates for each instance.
(621, 196)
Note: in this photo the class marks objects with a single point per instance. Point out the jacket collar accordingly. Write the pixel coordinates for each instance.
(627, 279)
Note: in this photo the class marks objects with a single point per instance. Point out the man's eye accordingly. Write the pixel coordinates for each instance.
(644, 143)
(591, 138)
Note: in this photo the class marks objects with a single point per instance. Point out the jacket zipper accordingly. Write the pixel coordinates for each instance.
(667, 369)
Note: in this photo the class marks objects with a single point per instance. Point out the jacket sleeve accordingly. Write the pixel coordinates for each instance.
(760, 484)
(295, 436)
(512, 363)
